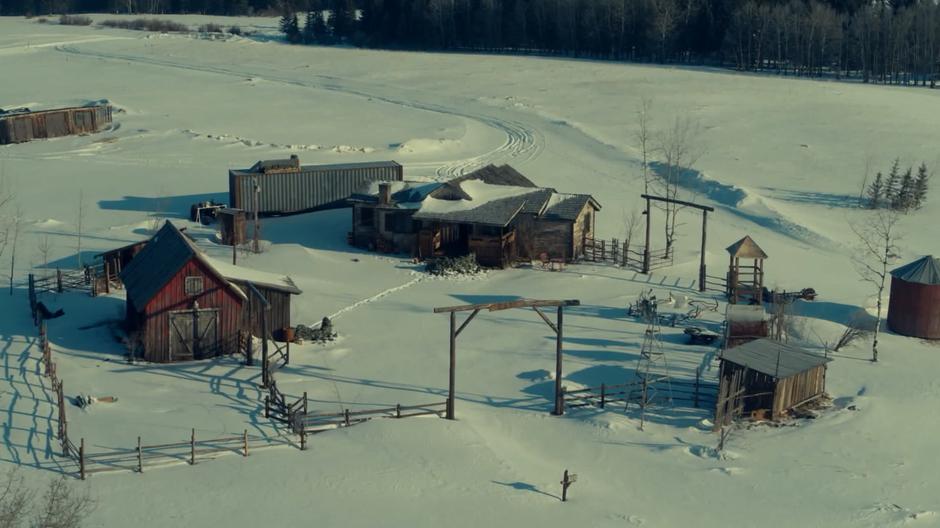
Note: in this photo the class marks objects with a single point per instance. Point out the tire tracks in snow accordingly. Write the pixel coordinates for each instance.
(523, 142)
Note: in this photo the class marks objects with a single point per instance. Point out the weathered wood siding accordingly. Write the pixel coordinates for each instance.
(798, 388)
(278, 314)
(155, 321)
(538, 235)
(19, 128)
(583, 228)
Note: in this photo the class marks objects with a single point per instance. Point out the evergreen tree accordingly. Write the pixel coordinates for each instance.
(310, 34)
(342, 19)
(920, 186)
(904, 198)
(891, 188)
(290, 26)
(876, 192)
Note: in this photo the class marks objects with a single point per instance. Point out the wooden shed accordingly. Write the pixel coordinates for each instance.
(914, 308)
(22, 126)
(114, 261)
(233, 225)
(183, 305)
(775, 377)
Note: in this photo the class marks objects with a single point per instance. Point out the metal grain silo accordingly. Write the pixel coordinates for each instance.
(914, 308)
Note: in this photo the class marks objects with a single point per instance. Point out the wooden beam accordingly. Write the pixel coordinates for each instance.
(546, 319)
(453, 367)
(519, 303)
(466, 322)
(559, 394)
(678, 202)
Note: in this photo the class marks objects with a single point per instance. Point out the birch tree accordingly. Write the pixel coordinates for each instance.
(644, 137)
(877, 251)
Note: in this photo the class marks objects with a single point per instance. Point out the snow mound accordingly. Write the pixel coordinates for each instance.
(425, 145)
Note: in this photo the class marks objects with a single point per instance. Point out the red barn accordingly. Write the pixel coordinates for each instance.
(179, 307)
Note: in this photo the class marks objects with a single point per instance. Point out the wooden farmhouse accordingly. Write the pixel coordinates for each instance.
(495, 213)
(775, 377)
(183, 305)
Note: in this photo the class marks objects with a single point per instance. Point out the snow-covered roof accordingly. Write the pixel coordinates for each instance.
(564, 206)
(256, 277)
(773, 358)
(925, 270)
(404, 194)
(488, 204)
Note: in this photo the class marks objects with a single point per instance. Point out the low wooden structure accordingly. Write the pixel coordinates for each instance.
(495, 213)
(233, 226)
(914, 308)
(648, 252)
(745, 323)
(183, 305)
(114, 261)
(536, 305)
(775, 377)
(746, 282)
(20, 126)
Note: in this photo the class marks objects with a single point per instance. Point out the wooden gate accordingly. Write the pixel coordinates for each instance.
(194, 334)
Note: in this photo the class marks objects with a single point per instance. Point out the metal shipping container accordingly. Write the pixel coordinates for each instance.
(309, 188)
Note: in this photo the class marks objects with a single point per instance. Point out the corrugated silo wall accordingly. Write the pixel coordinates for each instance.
(309, 190)
(914, 309)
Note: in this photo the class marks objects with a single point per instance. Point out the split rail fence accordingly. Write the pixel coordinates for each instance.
(696, 393)
(621, 254)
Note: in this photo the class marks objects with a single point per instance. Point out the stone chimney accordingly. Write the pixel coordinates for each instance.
(385, 193)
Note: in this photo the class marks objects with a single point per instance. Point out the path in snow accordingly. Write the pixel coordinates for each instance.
(522, 141)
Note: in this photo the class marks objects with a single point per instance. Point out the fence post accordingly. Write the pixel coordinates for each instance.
(58, 280)
(32, 296)
(397, 410)
(698, 375)
(624, 256)
(81, 459)
(267, 407)
(192, 448)
(603, 394)
(245, 443)
(614, 247)
(603, 250)
(346, 417)
(140, 457)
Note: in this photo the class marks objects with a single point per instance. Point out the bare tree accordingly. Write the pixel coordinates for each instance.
(62, 506)
(631, 224)
(79, 225)
(17, 219)
(15, 499)
(878, 236)
(644, 137)
(44, 246)
(679, 149)
(858, 327)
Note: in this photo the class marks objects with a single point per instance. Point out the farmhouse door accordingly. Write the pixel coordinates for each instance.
(194, 334)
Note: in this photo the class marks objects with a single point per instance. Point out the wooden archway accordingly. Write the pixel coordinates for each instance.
(474, 309)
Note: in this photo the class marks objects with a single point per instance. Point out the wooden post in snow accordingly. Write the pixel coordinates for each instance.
(81, 459)
(140, 457)
(701, 266)
(58, 280)
(559, 395)
(646, 245)
(453, 362)
(192, 448)
(566, 482)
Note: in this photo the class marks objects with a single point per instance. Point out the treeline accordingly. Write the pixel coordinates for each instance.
(888, 41)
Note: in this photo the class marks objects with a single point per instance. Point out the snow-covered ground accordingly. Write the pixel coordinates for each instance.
(783, 161)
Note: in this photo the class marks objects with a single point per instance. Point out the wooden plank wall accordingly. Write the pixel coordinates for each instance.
(155, 331)
(278, 316)
(798, 388)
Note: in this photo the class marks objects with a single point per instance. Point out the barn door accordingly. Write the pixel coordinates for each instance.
(194, 334)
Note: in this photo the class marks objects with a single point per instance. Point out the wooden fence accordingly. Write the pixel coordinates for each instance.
(622, 254)
(696, 393)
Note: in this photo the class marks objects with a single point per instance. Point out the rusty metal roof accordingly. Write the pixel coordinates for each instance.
(925, 270)
(746, 248)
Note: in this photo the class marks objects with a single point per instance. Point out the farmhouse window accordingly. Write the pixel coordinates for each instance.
(366, 217)
(398, 223)
(193, 285)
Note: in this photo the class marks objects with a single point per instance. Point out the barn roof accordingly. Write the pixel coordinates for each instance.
(746, 248)
(773, 358)
(568, 206)
(925, 270)
(166, 253)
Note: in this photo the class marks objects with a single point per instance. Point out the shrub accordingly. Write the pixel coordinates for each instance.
(235, 30)
(74, 20)
(42, 20)
(447, 266)
(211, 28)
(147, 24)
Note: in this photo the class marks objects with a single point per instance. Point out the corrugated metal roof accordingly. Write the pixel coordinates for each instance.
(314, 168)
(746, 248)
(773, 358)
(925, 270)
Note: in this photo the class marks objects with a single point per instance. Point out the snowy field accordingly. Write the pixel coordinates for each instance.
(783, 161)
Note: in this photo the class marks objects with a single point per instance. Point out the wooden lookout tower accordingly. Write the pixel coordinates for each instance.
(746, 282)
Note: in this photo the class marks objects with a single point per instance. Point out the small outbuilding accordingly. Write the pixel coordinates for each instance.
(745, 323)
(914, 308)
(775, 377)
(22, 125)
(233, 226)
(183, 305)
(746, 281)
